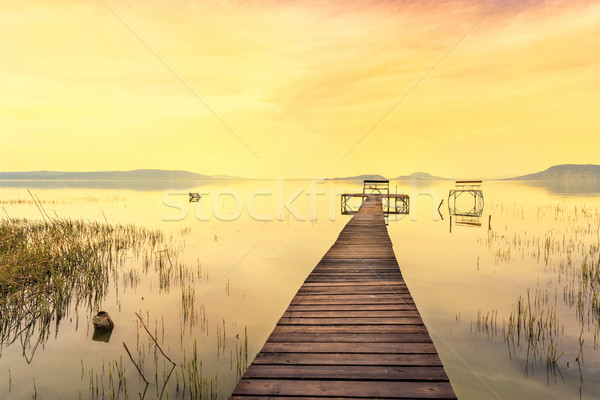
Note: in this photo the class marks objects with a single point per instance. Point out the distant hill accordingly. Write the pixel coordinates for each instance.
(565, 172)
(417, 175)
(138, 174)
(421, 176)
(357, 177)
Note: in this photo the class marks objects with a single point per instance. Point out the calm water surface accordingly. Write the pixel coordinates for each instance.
(236, 259)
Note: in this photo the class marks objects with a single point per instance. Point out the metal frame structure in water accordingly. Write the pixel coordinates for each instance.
(376, 186)
(468, 217)
(392, 204)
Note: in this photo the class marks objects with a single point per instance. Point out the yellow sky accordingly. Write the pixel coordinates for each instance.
(300, 82)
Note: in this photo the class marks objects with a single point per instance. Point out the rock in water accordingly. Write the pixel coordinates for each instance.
(102, 321)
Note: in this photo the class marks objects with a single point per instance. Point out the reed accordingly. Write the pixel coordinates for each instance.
(52, 267)
(563, 240)
(48, 266)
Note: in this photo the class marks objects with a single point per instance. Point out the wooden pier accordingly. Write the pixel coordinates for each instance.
(352, 331)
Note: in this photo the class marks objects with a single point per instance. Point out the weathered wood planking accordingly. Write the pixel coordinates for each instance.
(352, 331)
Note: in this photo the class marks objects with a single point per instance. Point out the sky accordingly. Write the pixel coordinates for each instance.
(267, 89)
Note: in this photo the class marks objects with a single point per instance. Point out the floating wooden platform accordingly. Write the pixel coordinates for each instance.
(352, 331)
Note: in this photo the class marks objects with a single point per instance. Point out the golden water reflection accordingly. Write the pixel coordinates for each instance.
(244, 266)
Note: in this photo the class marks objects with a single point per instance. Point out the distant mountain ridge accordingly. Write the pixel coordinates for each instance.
(421, 176)
(416, 175)
(564, 172)
(137, 174)
(357, 177)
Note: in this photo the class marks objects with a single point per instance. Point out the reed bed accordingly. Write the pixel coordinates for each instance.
(52, 267)
(47, 266)
(563, 241)
(60, 201)
(156, 375)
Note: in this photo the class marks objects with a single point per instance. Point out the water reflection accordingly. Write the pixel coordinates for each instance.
(465, 220)
(566, 188)
(456, 281)
(102, 336)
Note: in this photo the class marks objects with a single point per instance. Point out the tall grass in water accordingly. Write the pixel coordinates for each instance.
(181, 377)
(564, 242)
(47, 265)
(52, 268)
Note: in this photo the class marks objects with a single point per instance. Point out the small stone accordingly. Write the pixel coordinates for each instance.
(102, 321)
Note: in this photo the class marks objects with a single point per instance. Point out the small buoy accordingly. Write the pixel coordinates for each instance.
(102, 321)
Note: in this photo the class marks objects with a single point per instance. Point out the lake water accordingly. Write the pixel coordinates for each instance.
(512, 304)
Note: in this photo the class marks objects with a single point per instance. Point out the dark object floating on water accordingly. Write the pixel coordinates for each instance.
(195, 197)
(101, 336)
(102, 321)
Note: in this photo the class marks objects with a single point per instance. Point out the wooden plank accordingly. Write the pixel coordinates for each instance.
(263, 397)
(339, 277)
(382, 286)
(385, 348)
(359, 298)
(354, 290)
(404, 299)
(370, 276)
(352, 321)
(348, 359)
(394, 328)
(379, 389)
(344, 284)
(350, 337)
(346, 372)
(352, 307)
(294, 313)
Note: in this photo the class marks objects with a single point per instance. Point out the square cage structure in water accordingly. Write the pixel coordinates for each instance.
(376, 186)
(466, 188)
(390, 203)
